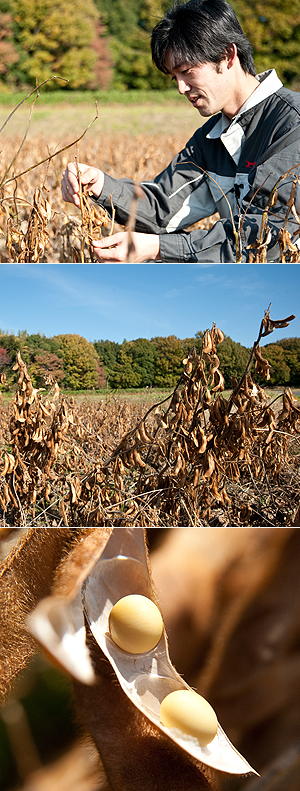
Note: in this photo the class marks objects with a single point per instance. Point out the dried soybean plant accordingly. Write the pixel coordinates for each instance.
(27, 235)
(205, 455)
(289, 251)
(37, 427)
(50, 448)
(25, 245)
(92, 221)
(28, 246)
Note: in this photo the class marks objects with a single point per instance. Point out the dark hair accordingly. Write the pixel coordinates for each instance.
(200, 31)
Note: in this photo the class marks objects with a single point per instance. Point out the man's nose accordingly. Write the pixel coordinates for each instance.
(182, 85)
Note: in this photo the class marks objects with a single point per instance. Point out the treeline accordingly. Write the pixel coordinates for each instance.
(158, 362)
(70, 360)
(90, 44)
(77, 364)
(97, 44)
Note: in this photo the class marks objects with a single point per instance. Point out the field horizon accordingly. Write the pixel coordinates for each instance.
(132, 112)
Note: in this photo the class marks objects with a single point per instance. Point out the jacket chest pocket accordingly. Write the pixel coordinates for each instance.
(272, 171)
(228, 191)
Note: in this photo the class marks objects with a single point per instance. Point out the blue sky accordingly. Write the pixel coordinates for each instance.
(147, 300)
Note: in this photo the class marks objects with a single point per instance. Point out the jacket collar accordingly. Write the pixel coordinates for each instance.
(269, 83)
(229, 130)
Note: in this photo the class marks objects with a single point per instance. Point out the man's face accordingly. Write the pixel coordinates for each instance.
(207, 86)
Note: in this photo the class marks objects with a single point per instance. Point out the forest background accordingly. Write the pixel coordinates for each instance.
(102, 46)
(77, 364)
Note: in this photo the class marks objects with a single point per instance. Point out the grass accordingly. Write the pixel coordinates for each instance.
(68, 113)
(141, 396)
(147, 396)
(102, 97)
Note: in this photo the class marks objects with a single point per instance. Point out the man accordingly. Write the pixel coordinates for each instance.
(250, 140)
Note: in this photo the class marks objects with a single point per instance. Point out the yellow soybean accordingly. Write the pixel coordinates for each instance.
(191, 713)
(135, 624)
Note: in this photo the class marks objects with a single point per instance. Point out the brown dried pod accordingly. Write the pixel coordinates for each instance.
(207, 344)
(262, 366)
(219, 382)
(219, 335)
(208, 465)
(201, 439)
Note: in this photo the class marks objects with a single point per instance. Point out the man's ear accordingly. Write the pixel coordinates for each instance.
(231, 55)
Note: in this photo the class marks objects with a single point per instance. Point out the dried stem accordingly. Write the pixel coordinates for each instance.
(51, 156)
(28, 97)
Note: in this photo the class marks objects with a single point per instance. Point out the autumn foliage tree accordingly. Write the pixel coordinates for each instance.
(103, 69)
(273, 29)
(100, 44)
(8, 52)
(4, 358)
(48, 368)
(129, 24)
(53, 38)
(80, 362)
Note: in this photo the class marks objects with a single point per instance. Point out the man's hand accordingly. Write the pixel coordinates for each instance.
(92, 177)
(114, 249)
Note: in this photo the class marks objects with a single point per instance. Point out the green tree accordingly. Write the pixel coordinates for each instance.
(36, 343)
(120, 17)
(280, 372)
(284, 357)
(273, 29)
(291, 348)
(53, 37)
(80, 362)
(170, 354)
(123, 374)
(11, 344)
(233, 359)
(108, 352)
(192, 343)
(129, 24)
(133, 66)
(143, 353)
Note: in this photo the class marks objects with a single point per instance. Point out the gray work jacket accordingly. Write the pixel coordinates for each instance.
(225, 163)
